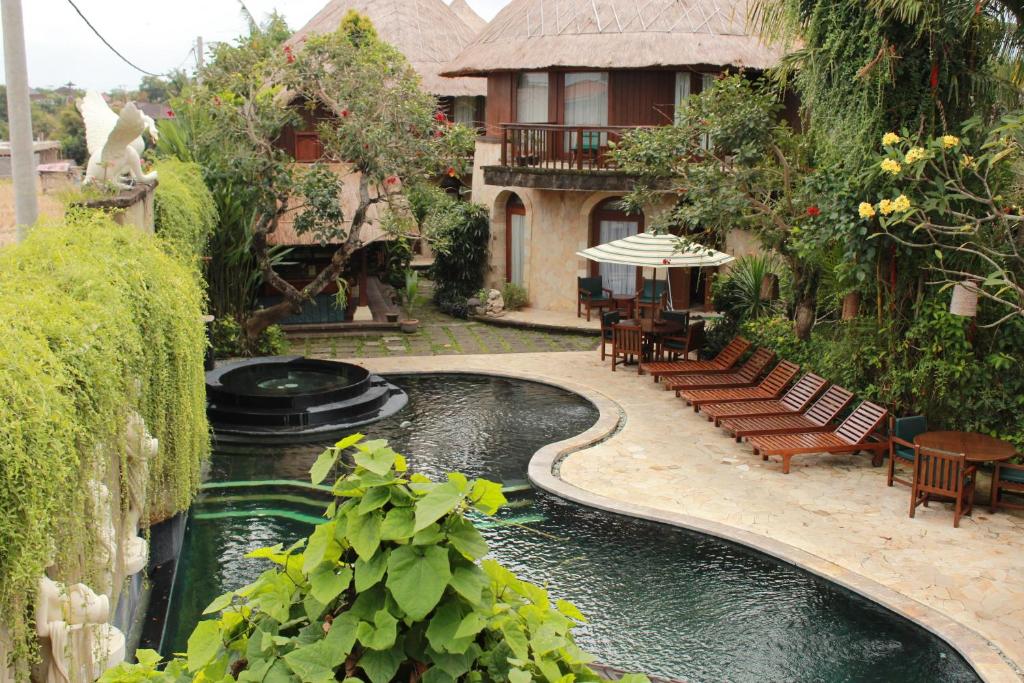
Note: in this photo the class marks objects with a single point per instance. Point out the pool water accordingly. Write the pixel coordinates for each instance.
(660, 599)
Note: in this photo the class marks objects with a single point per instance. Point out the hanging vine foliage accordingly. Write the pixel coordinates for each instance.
(99, 320)
(183, 209)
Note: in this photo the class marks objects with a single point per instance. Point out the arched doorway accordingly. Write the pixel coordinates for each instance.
(515, 240)
(609, 222)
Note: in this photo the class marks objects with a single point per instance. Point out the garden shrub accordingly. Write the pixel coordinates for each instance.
(460, 231)
(229, 341)
(98, 320)
(515, 296)
(392, 586)
(932, 368)
(184, 212)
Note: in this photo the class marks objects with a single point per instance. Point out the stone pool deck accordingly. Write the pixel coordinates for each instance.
(650, 455)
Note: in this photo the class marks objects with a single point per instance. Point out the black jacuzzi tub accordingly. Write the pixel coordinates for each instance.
(292, 398)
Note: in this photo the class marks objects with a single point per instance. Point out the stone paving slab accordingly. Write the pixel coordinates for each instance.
(836, 508)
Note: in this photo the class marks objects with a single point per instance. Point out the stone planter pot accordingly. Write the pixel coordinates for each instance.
(409, 326)
(391, 317)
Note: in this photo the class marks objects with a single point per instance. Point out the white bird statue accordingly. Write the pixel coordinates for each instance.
(115, 142)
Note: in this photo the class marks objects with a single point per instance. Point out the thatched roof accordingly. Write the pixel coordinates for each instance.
(468, 14)
(427, 32)
(614, 34)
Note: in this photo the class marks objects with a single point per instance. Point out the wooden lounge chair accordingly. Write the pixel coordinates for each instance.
(1007, 478)
(627, 343)
(941, 474)
(746, 376)
(723, 362)
(793, 401)
(771, 386)
(853, 435)
(818, 418)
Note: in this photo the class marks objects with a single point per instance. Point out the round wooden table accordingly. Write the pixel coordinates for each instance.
(976, 447)
(624, 303)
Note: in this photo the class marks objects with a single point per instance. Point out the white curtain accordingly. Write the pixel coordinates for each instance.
(707, 81)
(465, 110)
(682, 91)
(586, 104)
(518, 255)
(619, 278)
(532, 97)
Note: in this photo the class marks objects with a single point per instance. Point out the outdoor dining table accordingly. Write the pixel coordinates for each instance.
(977, 448)
(653, 329)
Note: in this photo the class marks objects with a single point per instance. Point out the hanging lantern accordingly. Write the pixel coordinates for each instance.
(965, 299)
(851, 305)
(769, 287)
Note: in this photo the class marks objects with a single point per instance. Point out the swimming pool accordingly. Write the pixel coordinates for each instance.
(660, 599)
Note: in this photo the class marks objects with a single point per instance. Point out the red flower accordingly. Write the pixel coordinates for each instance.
(666, 262)
(288, 54)
(344, 113)
(391, 180)
(438, 133)
(439, 116)
(170, 114)
(813, 211)
(451, 171)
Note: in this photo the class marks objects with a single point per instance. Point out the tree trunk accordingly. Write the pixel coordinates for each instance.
(265, 317)
(805, 290)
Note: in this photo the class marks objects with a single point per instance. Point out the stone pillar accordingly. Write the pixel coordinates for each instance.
(128, 207)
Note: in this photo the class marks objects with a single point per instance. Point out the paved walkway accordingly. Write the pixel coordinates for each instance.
(836, 508)
(439, 335)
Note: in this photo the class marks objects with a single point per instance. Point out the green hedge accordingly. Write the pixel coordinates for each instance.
(98, 320)
(184, 212)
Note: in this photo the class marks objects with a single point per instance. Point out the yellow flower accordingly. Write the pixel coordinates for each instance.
(967, 161)
(890, 139)
(950, 141)
(901, 203)
(916, 154)
(891, 166)
(885, 207)
(866, 210)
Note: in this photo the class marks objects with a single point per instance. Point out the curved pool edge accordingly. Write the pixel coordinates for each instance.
(986, 658)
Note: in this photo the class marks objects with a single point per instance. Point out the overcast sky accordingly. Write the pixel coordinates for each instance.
(154, 34)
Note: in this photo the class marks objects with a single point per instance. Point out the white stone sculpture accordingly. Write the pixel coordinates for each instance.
(495, 305)
(141, 447)
(115, 142)
(106, 534)
(78, 643)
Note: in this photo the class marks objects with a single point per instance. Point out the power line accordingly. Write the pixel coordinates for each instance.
(112, 48)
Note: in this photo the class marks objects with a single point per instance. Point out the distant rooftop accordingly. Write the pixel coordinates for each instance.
(37, 146)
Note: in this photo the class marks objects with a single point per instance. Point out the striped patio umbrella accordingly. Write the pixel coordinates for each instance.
(648, 250)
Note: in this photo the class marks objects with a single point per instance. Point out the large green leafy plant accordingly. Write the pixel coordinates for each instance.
(392, 586)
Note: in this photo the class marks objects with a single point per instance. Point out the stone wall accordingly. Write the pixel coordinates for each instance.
(129, 207)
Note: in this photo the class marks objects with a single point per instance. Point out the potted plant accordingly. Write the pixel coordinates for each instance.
(410, 298)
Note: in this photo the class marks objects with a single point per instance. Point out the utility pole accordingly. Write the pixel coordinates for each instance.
(19, 114)
(199, 60)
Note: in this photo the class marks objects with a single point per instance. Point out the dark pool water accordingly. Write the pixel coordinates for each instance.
(660, 599)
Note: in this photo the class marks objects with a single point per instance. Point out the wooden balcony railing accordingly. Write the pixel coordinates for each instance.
(558, 147)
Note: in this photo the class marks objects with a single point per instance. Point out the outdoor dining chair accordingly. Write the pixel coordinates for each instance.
(902, 431)
(591, 293)
(653, 297)
(627, 344)
(1007, 478)
(941, 474)
(607, 321)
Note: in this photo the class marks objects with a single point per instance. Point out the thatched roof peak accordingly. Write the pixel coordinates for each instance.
(468, 15)
(427, 32)
(610, 34)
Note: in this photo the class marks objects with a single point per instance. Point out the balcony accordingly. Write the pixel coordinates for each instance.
(558, 157)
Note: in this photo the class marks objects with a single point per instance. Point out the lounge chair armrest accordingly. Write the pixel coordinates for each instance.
(902, 442)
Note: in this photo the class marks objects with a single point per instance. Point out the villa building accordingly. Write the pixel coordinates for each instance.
(429, 34)
(564, 79)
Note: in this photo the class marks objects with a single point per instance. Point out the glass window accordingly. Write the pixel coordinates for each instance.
(464, 111)
(586, 104)
(532, 97)
(707, 81)
(682, 91)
